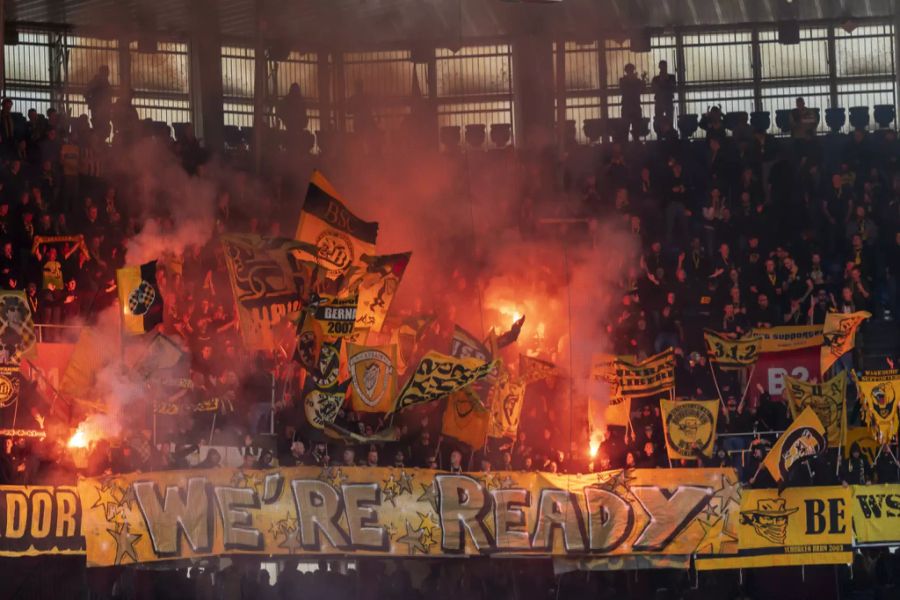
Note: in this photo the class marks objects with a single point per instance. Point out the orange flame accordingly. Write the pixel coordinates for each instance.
(84, 435)
(594, 448)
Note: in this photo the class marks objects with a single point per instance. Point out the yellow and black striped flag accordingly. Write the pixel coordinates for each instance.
(140, 298)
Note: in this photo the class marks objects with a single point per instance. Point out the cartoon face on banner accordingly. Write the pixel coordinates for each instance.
(884, 400)
(799, 444)
(769, 519)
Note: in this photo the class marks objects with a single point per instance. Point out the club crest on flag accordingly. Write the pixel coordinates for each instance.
(690, 427)
(335, 252)
(141, 298)
(322, 407)
(370, 371)
(884, 400)
(9, 387)
(329, 366)
(769, 519)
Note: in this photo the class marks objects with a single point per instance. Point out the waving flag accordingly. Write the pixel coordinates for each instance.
(804, 439)
(140, 298)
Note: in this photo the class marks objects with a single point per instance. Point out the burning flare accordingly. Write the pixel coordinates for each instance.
(86, 433)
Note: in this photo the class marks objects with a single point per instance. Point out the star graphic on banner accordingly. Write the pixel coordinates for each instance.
(429, 495)
(283, 526)
(507, 483)
(391, 530)
(714, 535)
(413, 542)
(729, 492)
(405, 483)
(391, 489)
(106, 498)
(125, 541)
(710, 511)
(291, 541)
(128, 497)
(333, 476)
(612, 480)
(427, 526)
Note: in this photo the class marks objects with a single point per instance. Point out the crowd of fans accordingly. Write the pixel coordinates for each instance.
(738, 230)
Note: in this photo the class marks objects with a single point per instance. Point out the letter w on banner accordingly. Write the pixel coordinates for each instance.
(827, 401)
(689, 427)
(878, 391)
(730, 353)
(340, 237)
(804, 439)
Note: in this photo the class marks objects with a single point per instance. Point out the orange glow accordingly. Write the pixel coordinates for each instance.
(84, 435)
(594, 448)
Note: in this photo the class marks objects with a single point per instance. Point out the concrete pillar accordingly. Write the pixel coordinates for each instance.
(206, 73)
(533, 90)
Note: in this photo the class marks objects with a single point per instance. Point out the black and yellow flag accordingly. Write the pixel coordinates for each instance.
(533, 369)
(730, 353)
(324, 393)
(804, 439)
(839, 336)
(373, 377)
(507, 396)
(336, 316)
(827, 401)
(438, 375)
(340, 237)
(376, 288)
(269, 285)
(654, 375)
(603, 371)
(878, 392)
(689, 427)
(465, 419)
(140, 298)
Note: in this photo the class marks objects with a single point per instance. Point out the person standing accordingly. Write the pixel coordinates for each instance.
(663, 86)
(632, 87)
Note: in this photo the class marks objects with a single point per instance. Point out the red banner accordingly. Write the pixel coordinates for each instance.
(772, 367)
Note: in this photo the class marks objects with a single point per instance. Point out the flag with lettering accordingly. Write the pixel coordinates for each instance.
(839, 336)
(802, 440)
(878, 392)
(438, 375)
(689, 427)
(731, 353)
(340, 237)
(335, 316)
(654, 375)
(826, 399)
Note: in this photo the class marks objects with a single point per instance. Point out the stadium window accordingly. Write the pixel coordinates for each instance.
(582, 84)
(161, 82)
(475, 86)
(387, 81)
(722, 57)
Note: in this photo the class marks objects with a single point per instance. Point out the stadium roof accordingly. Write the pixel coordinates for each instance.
(365, 22)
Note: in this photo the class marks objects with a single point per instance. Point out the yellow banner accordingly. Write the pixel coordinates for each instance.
(40, 520)
(377, 287)
(878, 392)
(466, 419)
(507, 396)
(801, 526)
(603, 372)
(339, 237)
(876, 513)
(406, 512)
(827, 401)
(839, 336)
(336, 317)
(787, 337)
(16, 328)
(438, 375)
(652, 376)
(689, 427)
(533, 369)
(373, 377)
(803, 439)
(730, 353)
(269, 285)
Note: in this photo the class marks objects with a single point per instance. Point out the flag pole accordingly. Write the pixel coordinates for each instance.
(718, 391)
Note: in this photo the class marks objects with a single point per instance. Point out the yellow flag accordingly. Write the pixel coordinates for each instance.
(341, 238)
(139, 297)
(803, 439)
(878, 392)
(438, 375)
(839, 336)
(603, 371)
(654, 375)
(826, 399)
(730, 353)
(373, 377)
(465, 419)
(689, 427)
(16, 328)
(507, 396)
